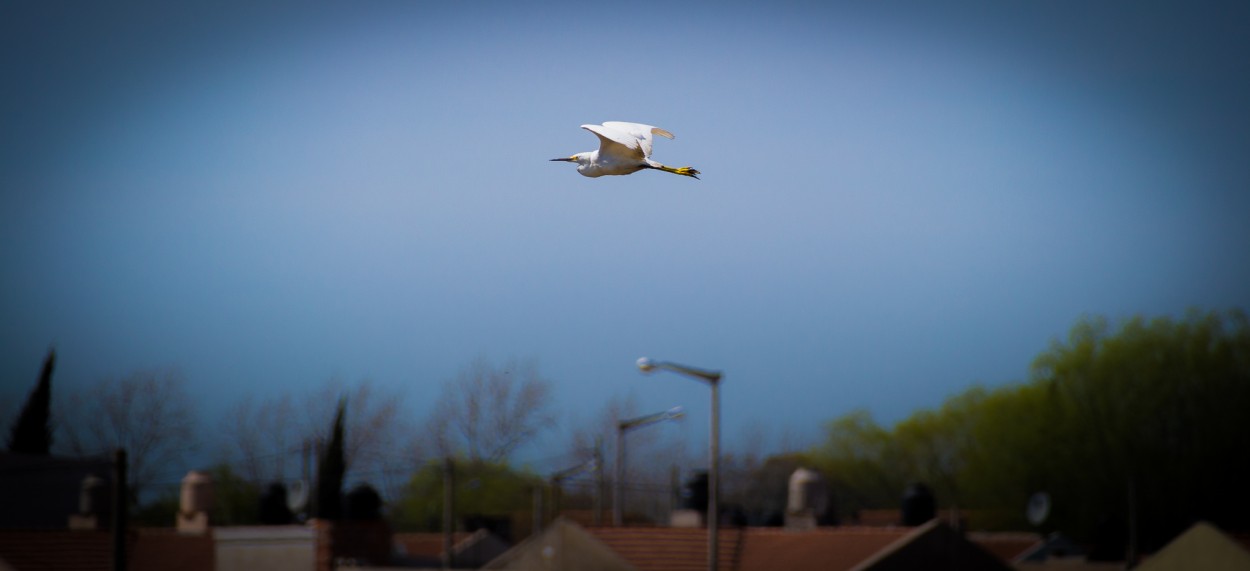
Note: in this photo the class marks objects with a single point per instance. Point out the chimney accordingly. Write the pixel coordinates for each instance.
(196, 501)
(807, 500)
(94, 505)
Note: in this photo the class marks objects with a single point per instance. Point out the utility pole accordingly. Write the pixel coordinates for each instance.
(449, 505)
(1131, 557)
(598, 505)
(713, 488)
(538, 509)
(618, 483)
(120, 511)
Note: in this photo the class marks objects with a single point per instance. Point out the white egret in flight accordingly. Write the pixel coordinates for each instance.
(624, 148)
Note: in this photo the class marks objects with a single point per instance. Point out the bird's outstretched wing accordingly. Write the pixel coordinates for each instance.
(638, 131)
(617, 144)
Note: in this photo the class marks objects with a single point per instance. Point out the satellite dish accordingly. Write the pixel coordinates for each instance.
(1038, 509)
(297, 496)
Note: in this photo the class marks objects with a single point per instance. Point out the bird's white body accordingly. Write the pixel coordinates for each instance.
(624, 148)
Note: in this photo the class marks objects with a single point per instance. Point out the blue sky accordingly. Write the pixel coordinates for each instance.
(899, 199)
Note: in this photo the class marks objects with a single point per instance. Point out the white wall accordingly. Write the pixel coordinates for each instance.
(265, 548)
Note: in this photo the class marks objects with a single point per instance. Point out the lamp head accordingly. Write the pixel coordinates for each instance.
(646, 365)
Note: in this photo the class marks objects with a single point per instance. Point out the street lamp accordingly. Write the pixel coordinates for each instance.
(621, 428)
(712, 378)
(559, 477)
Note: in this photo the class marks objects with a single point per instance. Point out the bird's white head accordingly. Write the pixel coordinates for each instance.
(579, 158)
(583, 161)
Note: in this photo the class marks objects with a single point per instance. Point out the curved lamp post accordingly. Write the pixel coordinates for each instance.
(621, 428)
(558, 478)
(712, 378)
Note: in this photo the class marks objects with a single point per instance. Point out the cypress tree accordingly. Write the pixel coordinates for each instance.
(330, 471)
(32, 433)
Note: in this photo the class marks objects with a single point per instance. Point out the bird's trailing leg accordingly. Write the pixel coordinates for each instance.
(684, 171)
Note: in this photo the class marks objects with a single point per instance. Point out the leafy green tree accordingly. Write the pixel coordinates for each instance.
(482, 488)
(1152, 415)
(236, 501)
(32, 433)
(1004, 455)
(1146, 419)
(161, 511)
(859, 458)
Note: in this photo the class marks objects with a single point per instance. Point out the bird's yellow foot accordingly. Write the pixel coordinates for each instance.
(684, 171)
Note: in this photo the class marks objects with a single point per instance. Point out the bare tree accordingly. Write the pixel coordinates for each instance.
(148, 413)
(260, 439)
(487, 412)
(601, 429)
(270, 439)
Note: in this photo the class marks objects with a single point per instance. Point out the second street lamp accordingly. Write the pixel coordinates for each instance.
(558, 478)
(622, 427)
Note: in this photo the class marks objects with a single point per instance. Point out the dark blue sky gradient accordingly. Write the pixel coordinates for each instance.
(899, 199)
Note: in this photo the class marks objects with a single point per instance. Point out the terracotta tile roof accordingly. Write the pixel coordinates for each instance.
(1242, 537)
(1008, 546)
(161, 549)
(668, 548)
(425, 544)
(57, 549)
(886, 517)
(1070, 564)
(825, 549)
(149, 550)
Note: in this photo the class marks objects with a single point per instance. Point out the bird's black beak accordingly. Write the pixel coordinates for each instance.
(565, 159)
